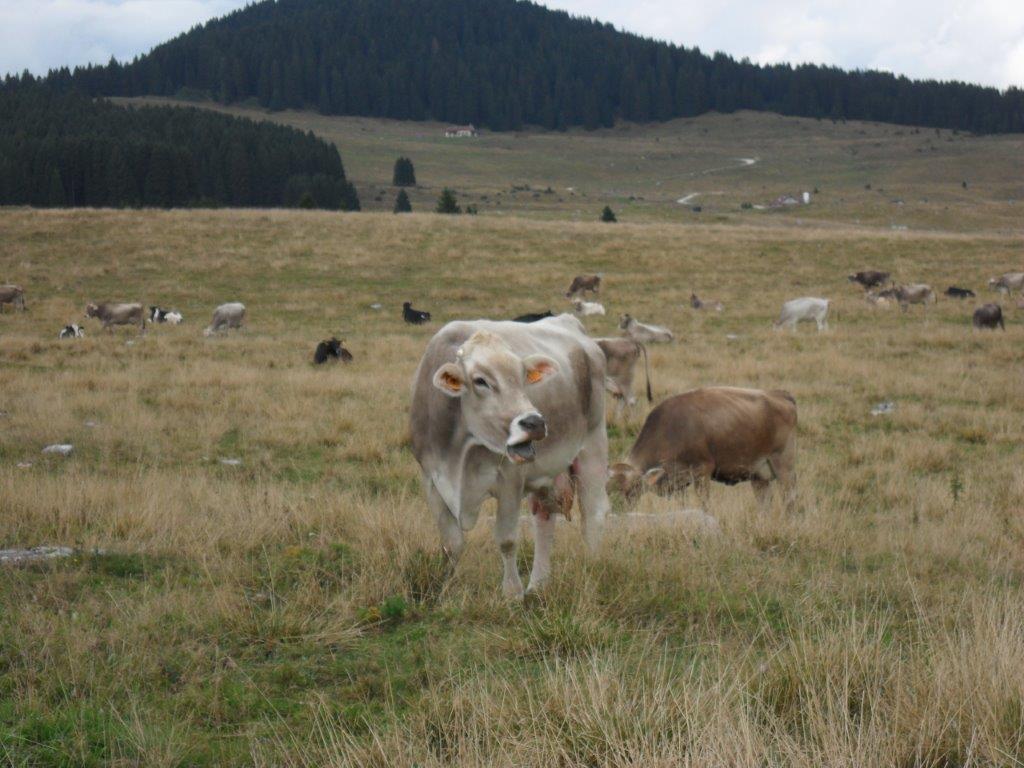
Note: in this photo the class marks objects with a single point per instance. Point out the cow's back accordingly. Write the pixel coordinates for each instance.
(732, 428)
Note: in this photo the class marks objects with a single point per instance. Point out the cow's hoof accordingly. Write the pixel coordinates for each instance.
(513, 591)
(533, 599)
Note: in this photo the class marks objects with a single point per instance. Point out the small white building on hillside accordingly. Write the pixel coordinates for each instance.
(459, 131)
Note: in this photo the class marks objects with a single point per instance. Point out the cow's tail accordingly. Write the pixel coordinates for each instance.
(647, 372)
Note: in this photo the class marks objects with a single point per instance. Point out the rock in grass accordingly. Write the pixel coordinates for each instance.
(61, 449)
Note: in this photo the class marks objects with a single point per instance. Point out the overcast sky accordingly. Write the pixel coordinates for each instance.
(980, 41)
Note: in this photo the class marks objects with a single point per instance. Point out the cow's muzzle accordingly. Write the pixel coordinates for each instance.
(525, 431)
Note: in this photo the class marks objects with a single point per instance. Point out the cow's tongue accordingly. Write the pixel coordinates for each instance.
(521, 452)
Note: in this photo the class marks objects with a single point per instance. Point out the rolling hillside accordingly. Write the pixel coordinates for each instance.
(866, 174)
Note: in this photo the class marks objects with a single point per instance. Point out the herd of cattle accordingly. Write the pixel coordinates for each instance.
(508, 409)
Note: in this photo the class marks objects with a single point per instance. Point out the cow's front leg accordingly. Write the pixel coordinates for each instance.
(592, 468)
(452, 538)
(506, 534)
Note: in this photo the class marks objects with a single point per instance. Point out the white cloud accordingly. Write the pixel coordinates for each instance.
(979, 41)
(41, 34)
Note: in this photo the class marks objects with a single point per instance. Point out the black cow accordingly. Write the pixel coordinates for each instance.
(331, 348)
(959, 293)
(988, 316)
(869, 278)
(72, 331)
(533, 317)
(414, 316)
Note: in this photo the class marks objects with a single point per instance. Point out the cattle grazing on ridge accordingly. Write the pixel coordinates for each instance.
(726, 434)
(13, 295)
(169, 316)
(697, 303)
(582, 284)
(642, 332)
(72, 331)
(331, 349)
(587, 308)
(501, 409)
(915, 293)
(959, 293)
(414, 316)
(225, 317)
(988, 316)
(869, 278)
(117, 314)
(806, 308)
(533, 317)
(1008, 282)
(621, 356)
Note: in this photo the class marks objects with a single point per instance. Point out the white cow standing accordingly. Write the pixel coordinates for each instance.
(230, 315)
(587, 308)
(503, 409)
(806, 308)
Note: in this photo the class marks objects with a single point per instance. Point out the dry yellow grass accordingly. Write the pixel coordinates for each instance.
(294, 610)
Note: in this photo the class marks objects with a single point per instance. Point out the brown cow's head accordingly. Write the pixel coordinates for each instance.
(630, 481)
(491, 380)
(91, 310)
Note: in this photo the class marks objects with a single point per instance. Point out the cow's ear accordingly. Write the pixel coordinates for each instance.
(653, 475)
(538, 368)
(449, 380)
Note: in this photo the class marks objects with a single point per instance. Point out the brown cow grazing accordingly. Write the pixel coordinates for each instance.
(14, 295)
(915, 293)
(988, 316)
(117, 314)
(869, 278)
(726, 434)
(621, 356)
(582, 284)
(697, 303)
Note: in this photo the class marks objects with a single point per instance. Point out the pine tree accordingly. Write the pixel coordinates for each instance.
(402, 204)
(404, 174)
(446, 203)
(607, 215)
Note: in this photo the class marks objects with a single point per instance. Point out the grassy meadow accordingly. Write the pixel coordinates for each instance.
(295, 609)
(866, 174)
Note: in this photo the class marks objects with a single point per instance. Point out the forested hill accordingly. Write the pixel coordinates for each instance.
(504, 64)
(67, 150)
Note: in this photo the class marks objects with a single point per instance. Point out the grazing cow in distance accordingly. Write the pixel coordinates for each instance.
(587, 308)
(414, 316)
(533, 317)
(117, 314)
(169, 316)
(72, 331)
(331, 349)
(915, 293)
(988, 316)
(697, 303)
(582, 284)
(806, 308)
(621, 356)
(225, 317)
(959, 293)
(14, 295)
(642, 332)
(502, 409)
(1008, 282)
(869, 278)
(726, 434)
(877, 300)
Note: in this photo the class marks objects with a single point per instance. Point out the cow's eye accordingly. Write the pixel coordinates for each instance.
(481, 382)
